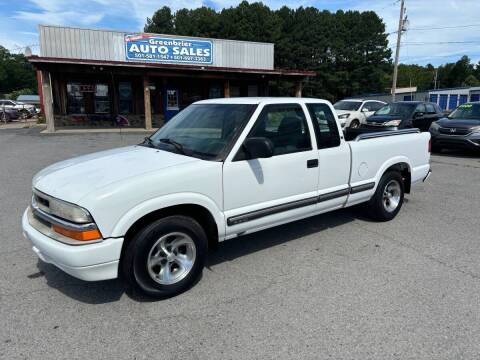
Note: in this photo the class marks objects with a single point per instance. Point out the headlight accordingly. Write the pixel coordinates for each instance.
(344, 116)
(69, 220)
(476, 130)
(434, 127)
(61, 209)
(392, 123)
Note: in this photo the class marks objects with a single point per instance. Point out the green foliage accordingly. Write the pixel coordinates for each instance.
(460, 73)
(15, 94)
(348, 50)
(15, 72)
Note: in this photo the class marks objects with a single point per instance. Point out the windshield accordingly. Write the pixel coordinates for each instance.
(467, 112)
(403, 111)
(203, 130)
(347, 105)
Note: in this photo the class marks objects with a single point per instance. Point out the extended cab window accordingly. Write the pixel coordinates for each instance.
(325, 125)
(286, 126)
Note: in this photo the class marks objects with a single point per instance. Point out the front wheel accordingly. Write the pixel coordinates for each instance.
(166, 257)
(388, 198)
(355, 124)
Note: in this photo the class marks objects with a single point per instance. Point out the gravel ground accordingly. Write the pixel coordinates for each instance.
(333, 286)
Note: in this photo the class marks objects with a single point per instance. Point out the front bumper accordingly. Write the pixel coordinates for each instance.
(471, 141)
(90, 262)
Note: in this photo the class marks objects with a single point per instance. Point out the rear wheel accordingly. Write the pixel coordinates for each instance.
(355, 124)
(388, 198)
(166, 257)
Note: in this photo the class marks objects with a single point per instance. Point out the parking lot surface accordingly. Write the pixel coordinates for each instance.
(333, 286)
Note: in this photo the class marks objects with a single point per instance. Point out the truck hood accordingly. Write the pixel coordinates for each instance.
(73, 179)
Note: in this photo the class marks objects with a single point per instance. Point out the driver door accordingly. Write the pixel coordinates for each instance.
(259, 193)
(420, 118)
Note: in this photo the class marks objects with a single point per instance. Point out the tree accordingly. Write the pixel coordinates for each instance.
(471, 80)
(161, 22)
(16, 73)
(348, 50)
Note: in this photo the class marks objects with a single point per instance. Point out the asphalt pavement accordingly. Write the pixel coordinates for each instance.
(335, 286)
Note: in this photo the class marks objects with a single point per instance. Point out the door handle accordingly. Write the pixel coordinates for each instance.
(312, 163)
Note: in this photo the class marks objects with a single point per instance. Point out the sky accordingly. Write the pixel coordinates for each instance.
(456, 22)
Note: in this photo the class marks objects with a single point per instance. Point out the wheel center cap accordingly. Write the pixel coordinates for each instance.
(170, 257)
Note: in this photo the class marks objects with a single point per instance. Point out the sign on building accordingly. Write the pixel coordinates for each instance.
(154, 48)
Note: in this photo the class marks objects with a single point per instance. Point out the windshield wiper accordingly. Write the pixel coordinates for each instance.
(148, 141)
(177, 145)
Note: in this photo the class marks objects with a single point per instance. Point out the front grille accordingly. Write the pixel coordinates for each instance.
(454, 131)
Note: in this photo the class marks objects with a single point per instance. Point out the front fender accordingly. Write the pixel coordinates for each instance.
(151, 205)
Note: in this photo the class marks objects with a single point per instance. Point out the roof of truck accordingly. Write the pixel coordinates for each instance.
(258, 100)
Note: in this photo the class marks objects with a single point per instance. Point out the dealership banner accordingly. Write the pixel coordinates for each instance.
(154, 48)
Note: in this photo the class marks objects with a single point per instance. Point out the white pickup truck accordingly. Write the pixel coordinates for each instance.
(218, 170)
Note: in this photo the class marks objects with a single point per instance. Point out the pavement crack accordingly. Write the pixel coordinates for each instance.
(419, 252)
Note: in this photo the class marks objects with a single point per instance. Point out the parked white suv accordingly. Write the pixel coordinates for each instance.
(25, 110)
(354, 112)
(218, 170)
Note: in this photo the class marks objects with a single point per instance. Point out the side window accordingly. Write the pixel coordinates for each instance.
(430, 109)
(367, 106)
(420, 108)
(286, 126)
(375, 105)
(326, 129)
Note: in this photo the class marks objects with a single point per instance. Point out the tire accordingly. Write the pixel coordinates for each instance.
(388, 198)
(24, 114)
(354, 124)
(166, 257)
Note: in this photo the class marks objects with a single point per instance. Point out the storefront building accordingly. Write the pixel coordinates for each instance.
(102, 79)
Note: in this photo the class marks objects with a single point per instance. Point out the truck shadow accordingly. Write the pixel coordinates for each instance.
(112, 290)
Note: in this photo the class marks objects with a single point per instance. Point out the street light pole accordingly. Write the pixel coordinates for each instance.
(397, 52)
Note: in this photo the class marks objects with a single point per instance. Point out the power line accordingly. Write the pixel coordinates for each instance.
(438, 28)
(391, 4)
(22, 47)
(440, 42)
(443, 27)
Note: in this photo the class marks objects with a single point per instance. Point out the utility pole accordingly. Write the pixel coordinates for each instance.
(435, 79)
(401, 22)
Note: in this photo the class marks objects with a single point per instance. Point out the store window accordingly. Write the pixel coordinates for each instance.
(75, 99)
(102, 100)
(125, 95)
(172, 100)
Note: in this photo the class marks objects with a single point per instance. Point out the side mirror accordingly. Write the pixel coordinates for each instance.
(419, 114)
(365, 110)
(258, 147)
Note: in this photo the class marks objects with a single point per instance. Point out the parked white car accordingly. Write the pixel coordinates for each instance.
(354, 112)
(218, 170)
(25, 110)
